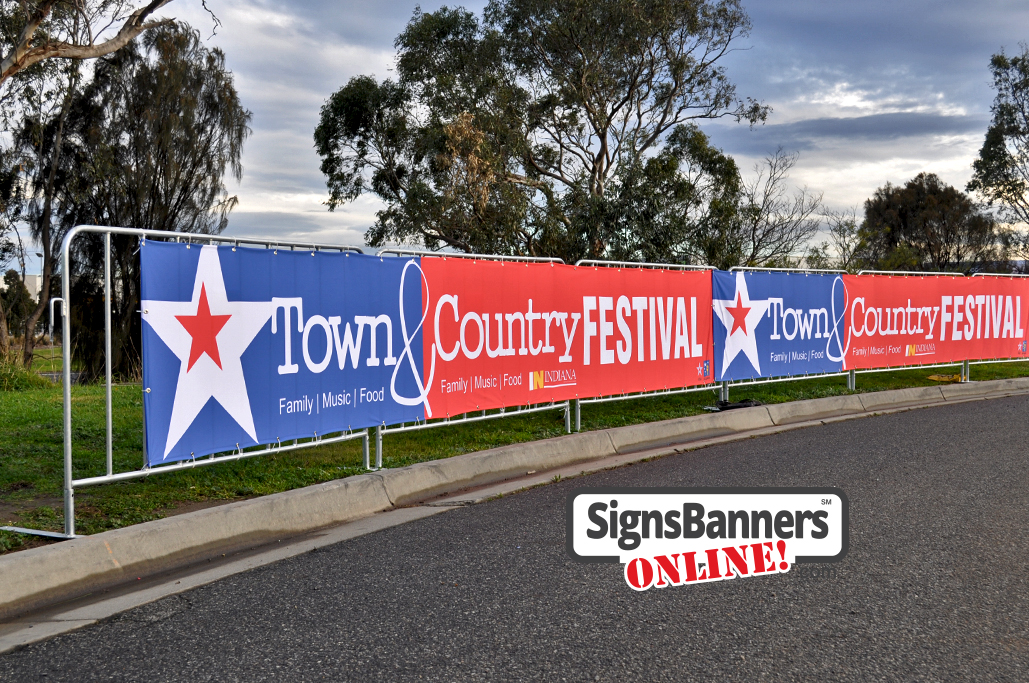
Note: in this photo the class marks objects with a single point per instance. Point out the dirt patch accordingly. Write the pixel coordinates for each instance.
(11, 512)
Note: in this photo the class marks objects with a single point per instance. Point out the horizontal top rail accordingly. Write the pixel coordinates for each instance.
(786, 270)
(908, 272)
(636, 264)
(198, 238)
(1000, 275)
(396, 251)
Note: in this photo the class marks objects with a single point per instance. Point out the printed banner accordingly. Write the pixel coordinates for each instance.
(255, 346)
(778, 324)
(504, 333)
(924, 320)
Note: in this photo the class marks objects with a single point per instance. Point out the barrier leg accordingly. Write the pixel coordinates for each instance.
(568, 417)
(378, 447)
(107, 352)
(69, 490)
(365, 442)
(852, 380)
(964, 372)
(723, 394)
(578, 416)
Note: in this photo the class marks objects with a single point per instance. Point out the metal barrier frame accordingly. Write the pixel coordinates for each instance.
(578, 403)
(507, 411)
(70, 483)
(908, 273)
(999, 275)
(400, 251)
(569, 407)
(828, 271)
(594, 263)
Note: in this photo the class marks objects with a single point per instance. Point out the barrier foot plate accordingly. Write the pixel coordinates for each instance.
(37, 532)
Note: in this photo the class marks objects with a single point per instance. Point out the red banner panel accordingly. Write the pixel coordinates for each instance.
(501, 334)
(909, 320)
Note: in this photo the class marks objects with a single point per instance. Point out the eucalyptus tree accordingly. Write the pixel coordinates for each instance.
(147, 143)
(11, 204)
(927, 225)
(1001, 171)
(544, 127)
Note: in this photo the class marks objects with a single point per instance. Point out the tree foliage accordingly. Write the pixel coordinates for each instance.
(145, 143)
(840, 251)
(558, 127)
(17, 302)
(1001, 171)
(11, 205)
(927, 225)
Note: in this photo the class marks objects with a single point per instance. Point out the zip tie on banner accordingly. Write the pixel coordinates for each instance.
(192, 459)
(238, 449)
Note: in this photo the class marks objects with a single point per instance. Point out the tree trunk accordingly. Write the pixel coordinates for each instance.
(29, 338)
(5, 337)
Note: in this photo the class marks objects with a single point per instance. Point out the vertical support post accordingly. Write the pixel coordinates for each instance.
(578, 415)
(852, 380)
(378, 447)
(69, 492)
(723, 394)
(146, 461)
(107, 350)
(365, 441)
(568, 417)
(964, 372)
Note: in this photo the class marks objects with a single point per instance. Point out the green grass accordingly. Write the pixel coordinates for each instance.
(31, 447)
(13, 377)
(46, 358)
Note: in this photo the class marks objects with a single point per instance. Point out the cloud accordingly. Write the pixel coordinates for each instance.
(832, 133)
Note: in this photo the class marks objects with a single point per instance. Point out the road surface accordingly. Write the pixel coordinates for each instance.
(933, 587)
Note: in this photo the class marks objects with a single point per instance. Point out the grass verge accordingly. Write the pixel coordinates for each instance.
(31, 447)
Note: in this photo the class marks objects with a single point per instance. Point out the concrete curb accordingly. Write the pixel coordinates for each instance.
(45, 576)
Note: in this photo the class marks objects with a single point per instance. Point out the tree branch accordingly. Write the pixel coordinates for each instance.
(23, 55)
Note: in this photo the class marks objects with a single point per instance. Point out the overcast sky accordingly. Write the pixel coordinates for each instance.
(867, 91)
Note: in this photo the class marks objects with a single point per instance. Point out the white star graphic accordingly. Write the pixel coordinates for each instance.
(200, 377)
(740, 332)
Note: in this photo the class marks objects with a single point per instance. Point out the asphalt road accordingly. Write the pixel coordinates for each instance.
(933, 587)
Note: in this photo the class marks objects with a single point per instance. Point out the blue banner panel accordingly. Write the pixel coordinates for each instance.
(778, 324)
(254, 346)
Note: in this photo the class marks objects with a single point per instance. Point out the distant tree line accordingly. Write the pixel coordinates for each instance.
(927, 225)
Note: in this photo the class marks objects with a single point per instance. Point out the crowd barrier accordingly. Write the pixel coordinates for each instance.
(252, 347)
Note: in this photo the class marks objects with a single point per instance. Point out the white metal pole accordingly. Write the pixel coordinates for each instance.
(107, 350)
(69, 491)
